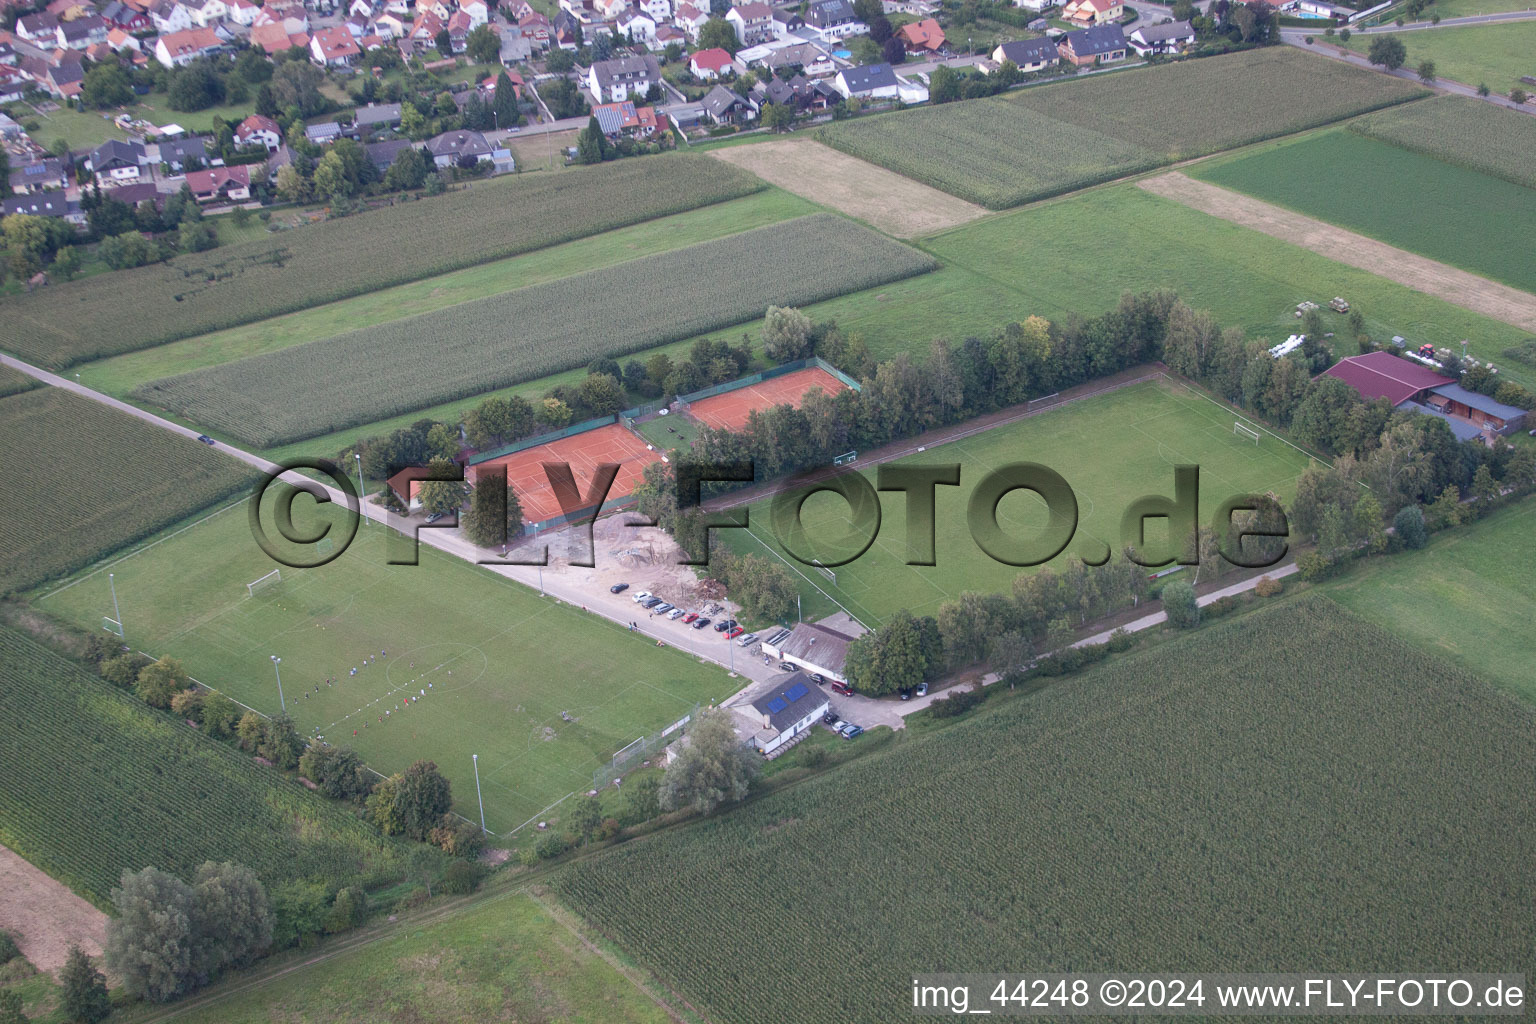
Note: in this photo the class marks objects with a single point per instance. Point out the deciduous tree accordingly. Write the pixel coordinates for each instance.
(714, 767)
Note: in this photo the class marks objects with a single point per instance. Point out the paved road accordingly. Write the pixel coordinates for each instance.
(1297, 37)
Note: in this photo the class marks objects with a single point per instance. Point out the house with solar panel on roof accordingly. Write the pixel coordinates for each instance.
(787, 713)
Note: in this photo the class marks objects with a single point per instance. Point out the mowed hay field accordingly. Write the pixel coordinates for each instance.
(520, 335)
(1463, 131)
(85, 480)
(1045, 140)
(1292, 788)
(515, 956)
(489, 665)
(1111, 449)
(1481, 224)
(990, 151)
(1468, 596)
(236, 284)
(102, 784)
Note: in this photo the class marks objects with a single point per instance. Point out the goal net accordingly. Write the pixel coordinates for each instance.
(270, 579)
(1248, 433)
(112, 626)
(845, 458)
(828, 573)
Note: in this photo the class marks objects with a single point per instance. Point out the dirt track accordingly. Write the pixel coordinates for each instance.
(1469, 291)
(882, 198)
(44, 916)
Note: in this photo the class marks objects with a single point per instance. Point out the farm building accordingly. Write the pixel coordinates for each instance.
(787, 712)
(1415, 388)
(815, 648)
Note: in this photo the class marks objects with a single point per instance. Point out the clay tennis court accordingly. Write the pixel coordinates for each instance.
(584, 452)
(730, 410)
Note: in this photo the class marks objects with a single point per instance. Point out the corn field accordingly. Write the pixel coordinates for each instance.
(84, 480)
(99, 783)
(397, 367)
(237, 284)
(1461, 130)
(1293, 788)
(14, 381)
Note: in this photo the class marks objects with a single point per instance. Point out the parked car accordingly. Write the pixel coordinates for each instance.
(690, 616)
(651, 604)
(786, 666)
(734, 632)
(842, 688)
(435, 516)
(830, 718)
(725, 624)
(905, 694)
(821, 680)
(748, 640)
(662, 607)
(675, 614)
(922, 689)
(618, 588)
(205, 439)
(700, 623)
(642, 597)
(850, 731)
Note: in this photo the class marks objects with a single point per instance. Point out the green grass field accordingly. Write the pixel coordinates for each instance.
(508, 958)
(1497, 54)
(1467, 596)
(1111, 449)
(1461, 131)
(498, 663)
(1448, 213)
(1295, 786)
(1467, 8)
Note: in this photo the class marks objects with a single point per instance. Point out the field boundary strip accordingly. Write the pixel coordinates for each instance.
(1431, 277)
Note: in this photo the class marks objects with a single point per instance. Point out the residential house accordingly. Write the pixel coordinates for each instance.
(61, 77)
(82, 33)
(690, 19)
(176, 49)
(138, 192)
(612, 80)
(1100, 44)
(39, 176)
(257, 130)
(1168, 37)
(708, 65)
(69, 10)
(170, 16)
(324, 133)
(1318, 9)
(636, 26)
(115, 161)
(119, 15)
(242, 12)
(219, 184)
(811, 59)
(334, 48)
(870, 82)
(273, 38)
(389, 26)
(660, 10)
(45, 204)
(383, 154)
(426, 26)
(478, 12)
(722, 106)
(787, 713)
(119, 40)
(41, 28)
(206, 13)
(922, 37)
(536, 29)
(458, 31)
(9, 129)
(1028, 54)
(624, 118)
(786, 22)
(515, 46)
(458, 147)
(178, 154)
(667, 34)
(753, 22)
(439, 9)
(1093, 12)
(356, 25)
(376, 117)
(833, 20)
(921, 8)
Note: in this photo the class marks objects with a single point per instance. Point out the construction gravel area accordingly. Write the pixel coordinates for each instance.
(880, 198)
(1480, 295)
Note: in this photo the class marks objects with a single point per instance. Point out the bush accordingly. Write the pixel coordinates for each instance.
(552, 844)
(1180, 604)
(957, 703)
(463, 876)
(1313, 566)
(1268, 586)
(814, 757)
(348, 910)
(8, 948)
(1409, 526)
(1121, 641)
(1222, 606)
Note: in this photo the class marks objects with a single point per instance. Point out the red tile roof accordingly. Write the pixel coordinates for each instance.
(1384, 375)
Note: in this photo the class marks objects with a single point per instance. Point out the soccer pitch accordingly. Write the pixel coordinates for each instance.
(1111, 448)
(450, 659)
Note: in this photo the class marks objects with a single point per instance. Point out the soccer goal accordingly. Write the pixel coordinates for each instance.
(1248, 433)
(112, 626)
(270, 579)
(845, 458)
(828, 573)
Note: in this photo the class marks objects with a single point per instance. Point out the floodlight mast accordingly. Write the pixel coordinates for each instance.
(277, 667)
